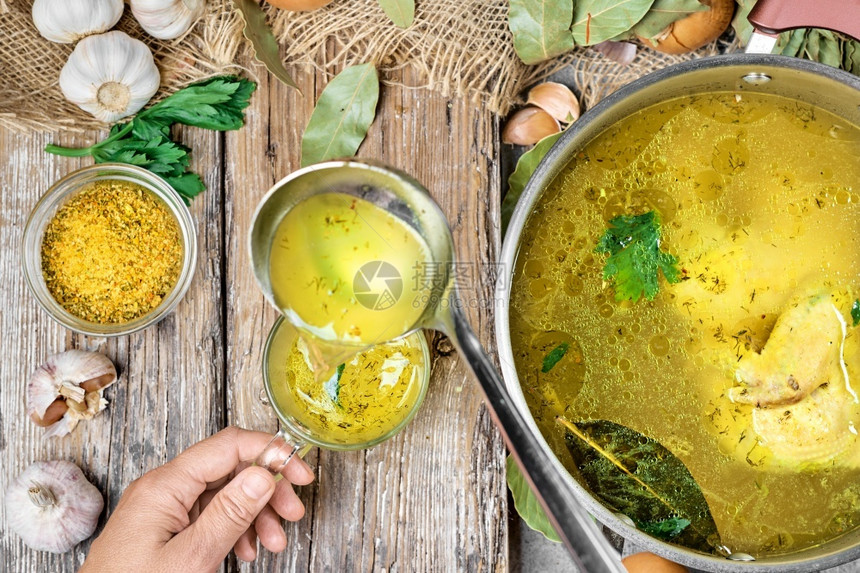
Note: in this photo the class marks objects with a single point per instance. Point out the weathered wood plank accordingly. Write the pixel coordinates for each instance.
(169, 394)
(432, 498)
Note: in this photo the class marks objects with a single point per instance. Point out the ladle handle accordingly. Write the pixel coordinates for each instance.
(586, 543)
(775, 16)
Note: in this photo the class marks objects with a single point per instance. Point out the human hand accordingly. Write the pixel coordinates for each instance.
(187, 514)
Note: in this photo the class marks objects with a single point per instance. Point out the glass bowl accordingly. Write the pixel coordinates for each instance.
(56, 197)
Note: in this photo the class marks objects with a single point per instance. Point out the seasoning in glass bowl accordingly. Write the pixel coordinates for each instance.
(112, 252)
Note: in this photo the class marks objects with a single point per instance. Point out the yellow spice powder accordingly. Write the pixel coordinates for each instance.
(112, 252)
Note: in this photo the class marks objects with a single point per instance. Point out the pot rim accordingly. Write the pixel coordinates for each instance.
(544, 173)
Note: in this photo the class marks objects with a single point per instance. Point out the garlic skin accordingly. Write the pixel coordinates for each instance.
(167, 19)
(68, 388)
(110, 76)
(555, 99)
(52, 506)
(67, 21)
(528, 126)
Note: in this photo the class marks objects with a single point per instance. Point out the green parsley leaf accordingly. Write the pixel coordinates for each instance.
(635, 259)
(554, 356)
(216, 103)
(855, 312)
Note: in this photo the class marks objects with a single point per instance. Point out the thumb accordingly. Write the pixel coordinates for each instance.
(207, 541)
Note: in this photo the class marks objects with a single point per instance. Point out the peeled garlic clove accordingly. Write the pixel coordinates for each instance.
(68, 388)
(52, 506)
(110, 76)
(167, 19)
(528, 126)
(555, 99)
(67, 21)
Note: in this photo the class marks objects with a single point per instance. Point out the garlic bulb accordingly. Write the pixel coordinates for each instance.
(110, 76)
(52, 506)
(67, 21)
(167, 19)
(68, 388)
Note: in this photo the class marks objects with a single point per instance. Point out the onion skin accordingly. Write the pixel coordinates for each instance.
(528, 126)
(299, 5)
(650, 563)
(696, 30)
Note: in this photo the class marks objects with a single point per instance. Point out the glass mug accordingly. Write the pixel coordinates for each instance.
(369, 399)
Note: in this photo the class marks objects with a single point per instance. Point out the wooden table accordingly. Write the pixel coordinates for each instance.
(431, 499)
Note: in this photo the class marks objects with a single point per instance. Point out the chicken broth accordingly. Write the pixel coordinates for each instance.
(745, 368)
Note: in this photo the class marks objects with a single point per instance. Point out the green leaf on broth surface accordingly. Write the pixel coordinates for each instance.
(342, 116)
(540, 28)
(554, 356)
(597, 20)
(663, 13)
(401, 12)
(635, 259)
(525, 502)
(855, 312)
(520, 177)
(640, 478)
(332, 385)
(263, 42)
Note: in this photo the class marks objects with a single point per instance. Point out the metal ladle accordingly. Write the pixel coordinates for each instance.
(406, 199)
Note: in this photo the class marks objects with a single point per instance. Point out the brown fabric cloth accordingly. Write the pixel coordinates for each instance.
(460, 47)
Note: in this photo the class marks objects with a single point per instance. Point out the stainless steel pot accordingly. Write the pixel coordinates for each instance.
(809, 82)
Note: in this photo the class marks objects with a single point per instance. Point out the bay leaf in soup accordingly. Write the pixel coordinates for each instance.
(597, 20)
(401, 12)
(637, 476)
(526, 503)
(342, 116)
(541, 28)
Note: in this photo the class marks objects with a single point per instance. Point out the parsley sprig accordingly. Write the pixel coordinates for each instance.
(217, 103)
(635, 259)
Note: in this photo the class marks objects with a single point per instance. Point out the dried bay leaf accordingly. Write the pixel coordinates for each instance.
(637, 476)
(741, 25)
(521, 175)
(401, 12)
(258, 32)
(342, 115)
(525, 502)
(597, 20)
(541, 28)
(663, 13)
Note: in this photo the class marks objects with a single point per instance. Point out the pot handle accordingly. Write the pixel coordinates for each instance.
(776, 16)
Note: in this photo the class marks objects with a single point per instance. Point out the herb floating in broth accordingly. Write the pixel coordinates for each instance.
(640, 478)
(666, 529)
(855, 312)
(554, 356)
(635, 259)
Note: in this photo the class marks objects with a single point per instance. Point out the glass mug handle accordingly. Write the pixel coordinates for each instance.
(280, 450)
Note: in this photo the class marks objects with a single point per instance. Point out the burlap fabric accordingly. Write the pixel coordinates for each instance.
(459, 47)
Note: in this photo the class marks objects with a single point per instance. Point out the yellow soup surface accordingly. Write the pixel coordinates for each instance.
(760, 203)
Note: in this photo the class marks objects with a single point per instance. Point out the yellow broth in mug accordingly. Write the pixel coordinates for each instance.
(365, 400)
(759, 201)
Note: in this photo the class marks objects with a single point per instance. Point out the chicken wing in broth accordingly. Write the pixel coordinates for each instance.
(721, 326)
